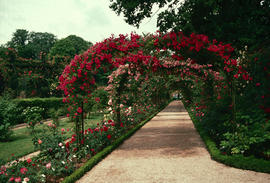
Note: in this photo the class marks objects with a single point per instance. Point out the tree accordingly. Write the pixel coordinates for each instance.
(19, 39)
(236, 21)
(69, 47)
(41, 42)
(31, 45)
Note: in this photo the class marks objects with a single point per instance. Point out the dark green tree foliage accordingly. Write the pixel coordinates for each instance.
(25, 68)
(41, 42)
(28, 78)
(240, 22)
(33, 45)
(69, 46)
(135, 11)
(1, 83)
(19, 39)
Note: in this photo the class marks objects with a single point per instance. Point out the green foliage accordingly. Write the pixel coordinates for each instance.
(42, 42)
(251, 136)
(218, 126)
(5, 131)
(9, 111)
(19, 38)
(29, 78)
(51, 143)
(25, 65)
(33, 45)
(69, 47)
(55, 114)
(222, 20)
(27, 51)
(242, 107)
(97, 102)
(59, 156)
(13, 112)
(246, 132)
(100, 98)
(45, 103)
(21, 172)
(32, 116)
(135, 11)
(14, 149)
(238, 161)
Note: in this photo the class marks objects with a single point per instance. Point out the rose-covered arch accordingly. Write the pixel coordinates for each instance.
(135, 56)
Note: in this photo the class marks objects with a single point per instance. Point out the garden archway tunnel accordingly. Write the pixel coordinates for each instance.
(158, 60)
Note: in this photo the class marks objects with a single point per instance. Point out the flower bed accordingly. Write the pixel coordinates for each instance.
(59, 156)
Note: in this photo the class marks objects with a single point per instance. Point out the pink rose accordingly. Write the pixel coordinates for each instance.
(48, 165)
(18, 179)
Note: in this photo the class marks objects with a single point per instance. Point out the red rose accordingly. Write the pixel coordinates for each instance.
(109, 136)
(79, 110)
(23, 170)
(29, 160)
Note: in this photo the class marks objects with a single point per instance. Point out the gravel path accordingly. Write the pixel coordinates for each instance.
(166, 150)
(46, 121)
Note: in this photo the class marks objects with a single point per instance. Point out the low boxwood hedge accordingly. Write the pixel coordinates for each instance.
(237, 161)
(106, 151)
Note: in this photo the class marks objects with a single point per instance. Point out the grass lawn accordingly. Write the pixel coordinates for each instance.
(21, 140)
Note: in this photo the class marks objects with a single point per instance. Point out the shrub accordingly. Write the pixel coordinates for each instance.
(11, 111)
(46, 103)
(9, 114)
(32, 116)
(4, 131)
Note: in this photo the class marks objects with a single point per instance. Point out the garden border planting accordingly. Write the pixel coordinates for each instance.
(237, 161)
(107, 90)
(106, 151)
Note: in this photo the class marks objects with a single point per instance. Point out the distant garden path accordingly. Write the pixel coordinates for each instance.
(166, 149)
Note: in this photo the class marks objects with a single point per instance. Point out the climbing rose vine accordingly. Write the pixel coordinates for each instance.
(143, 54)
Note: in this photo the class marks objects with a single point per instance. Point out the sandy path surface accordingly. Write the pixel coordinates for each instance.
(166, 150)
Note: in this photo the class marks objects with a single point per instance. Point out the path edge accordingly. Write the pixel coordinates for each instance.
(236, 161)
(77, 174)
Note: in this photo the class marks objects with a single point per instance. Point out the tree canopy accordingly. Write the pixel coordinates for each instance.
(31, 44)
(41, 41)
(19, 38)
(69, 46)
(236, 21)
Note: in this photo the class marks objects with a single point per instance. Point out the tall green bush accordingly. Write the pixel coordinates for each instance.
(9, 113)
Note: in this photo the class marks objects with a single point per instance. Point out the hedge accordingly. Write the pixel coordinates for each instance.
(46, 103)
(106, 151)
(237, 161)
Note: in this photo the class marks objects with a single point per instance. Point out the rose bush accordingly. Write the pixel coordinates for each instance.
(60, 155)
(143, 69)
(32, 116)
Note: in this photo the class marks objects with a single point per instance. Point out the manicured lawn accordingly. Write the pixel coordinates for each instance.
(21, 141)
(20, 145)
